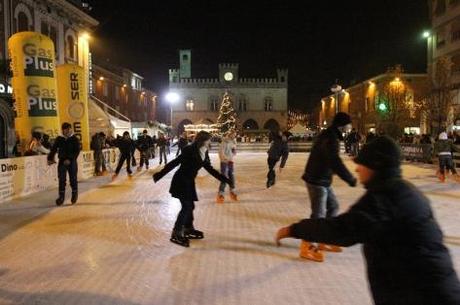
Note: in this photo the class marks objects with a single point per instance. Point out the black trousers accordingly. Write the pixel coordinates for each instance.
(124, 158)
(99, 161)
(145, 156)
(446, 162)
(72, 169)
(185, 216)
(271, 176)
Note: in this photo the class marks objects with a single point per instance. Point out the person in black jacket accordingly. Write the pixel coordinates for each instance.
(181, 143)
(279, 149)
(125, 144)
(324, 161)
(144, 145)
(161, 143)
(191, 160)
(68, 148)
(407, 262)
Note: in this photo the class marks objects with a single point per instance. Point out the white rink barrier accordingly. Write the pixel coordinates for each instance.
(27, 175)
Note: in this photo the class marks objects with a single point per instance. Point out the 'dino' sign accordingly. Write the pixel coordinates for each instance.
(34, 84)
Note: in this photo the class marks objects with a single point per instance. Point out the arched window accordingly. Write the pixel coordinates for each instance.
(23, 22)
(213, 103)
(70, 47)
(250, 125)
(242, 103)
(268, 103)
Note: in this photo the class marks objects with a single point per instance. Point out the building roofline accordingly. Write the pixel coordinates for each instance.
(81, 14)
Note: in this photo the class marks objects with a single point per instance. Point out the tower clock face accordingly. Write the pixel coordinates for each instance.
(228, 76)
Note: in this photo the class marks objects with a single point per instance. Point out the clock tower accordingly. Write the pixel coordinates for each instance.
(228, 73)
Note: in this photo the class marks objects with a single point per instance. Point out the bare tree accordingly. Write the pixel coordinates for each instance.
(437, 104)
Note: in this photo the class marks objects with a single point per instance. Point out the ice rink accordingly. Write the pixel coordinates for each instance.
(113, 246)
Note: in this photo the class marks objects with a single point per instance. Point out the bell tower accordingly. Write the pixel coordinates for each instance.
(185, 59)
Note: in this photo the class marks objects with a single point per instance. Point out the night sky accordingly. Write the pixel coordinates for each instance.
(318, 42)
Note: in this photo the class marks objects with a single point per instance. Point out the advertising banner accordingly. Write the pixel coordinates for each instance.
(73, 101)
(34, 85)
(417, 152)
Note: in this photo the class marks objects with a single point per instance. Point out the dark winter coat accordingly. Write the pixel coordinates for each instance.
(183, 181)
(181, 143)
(324, 160)
(67, 148)
(126, 145)
(162, 142)
(279, 149)
(407, 263)
(445, 146)
(144, 142)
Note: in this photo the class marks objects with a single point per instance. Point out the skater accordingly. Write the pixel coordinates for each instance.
(227, 151)
(97, 145)
(162, 147)
(407, 263)
(67, 147)
(125, 144)
(324, 161)
(181, 143)
(144, 145)
(443, 148)
(354, 139)
(278, 149)
(192, 158)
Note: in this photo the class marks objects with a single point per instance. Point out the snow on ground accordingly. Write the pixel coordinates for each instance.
(113, 246)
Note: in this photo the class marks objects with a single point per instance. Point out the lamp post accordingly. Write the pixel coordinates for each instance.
(171, 98)
(336, 88)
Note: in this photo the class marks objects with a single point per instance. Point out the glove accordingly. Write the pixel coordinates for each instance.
(353, 182)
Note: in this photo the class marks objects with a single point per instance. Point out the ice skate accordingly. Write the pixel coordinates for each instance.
(441, 177)
(193, 234)
(60, 201)
(220, 198)
(74, 198)
(233, 196)
(310, 252)
(139, 168)
(329, 248)
(178, 237)
(114, 177)
(270, 183)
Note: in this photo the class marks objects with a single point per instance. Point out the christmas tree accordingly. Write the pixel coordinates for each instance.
(227, 115)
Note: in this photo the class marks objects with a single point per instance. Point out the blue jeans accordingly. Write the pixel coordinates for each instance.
(323, 201)
(226, 169)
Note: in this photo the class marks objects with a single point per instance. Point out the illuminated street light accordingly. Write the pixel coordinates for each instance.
(85, 36)
(426, 34)
(172, 98)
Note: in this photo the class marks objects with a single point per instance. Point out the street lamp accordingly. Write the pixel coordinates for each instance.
(172, 98)
(336, 88)
(426, 34)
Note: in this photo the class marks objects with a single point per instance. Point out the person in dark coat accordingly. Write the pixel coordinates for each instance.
(68, 148)
(181, 143)
(191, 160)
(162, 142)
(144, 145)
(125, 144)
(407, 262)
(279, 149)
(324, 161)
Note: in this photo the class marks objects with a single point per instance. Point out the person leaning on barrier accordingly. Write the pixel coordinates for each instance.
(67, 147)
(407, 262)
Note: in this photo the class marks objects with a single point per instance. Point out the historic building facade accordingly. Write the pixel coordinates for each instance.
(122, 90)
(261, 104)
(362, 100)
(444, 40)
(65, 22)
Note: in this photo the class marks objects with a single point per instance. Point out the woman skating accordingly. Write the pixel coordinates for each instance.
(191, 160)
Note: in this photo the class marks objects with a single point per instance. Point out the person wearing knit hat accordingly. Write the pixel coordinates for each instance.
(324, 161)
(407, 262)
(443, 148)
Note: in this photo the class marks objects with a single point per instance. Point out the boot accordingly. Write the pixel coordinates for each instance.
(329, 248)
(60, 200)
(139, 168)
(192, 233)
(310, 252)
(220, 198)
(74, 198)
(178, 237)
(441, 177)
(233, 196)
(114, 177)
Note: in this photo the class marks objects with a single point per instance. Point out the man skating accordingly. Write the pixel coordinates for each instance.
(67, 147)
(144, 145)
(279, 149)
(125, 144)
(407, 262)
(227, 150)
(444, 148)
(324, 161)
